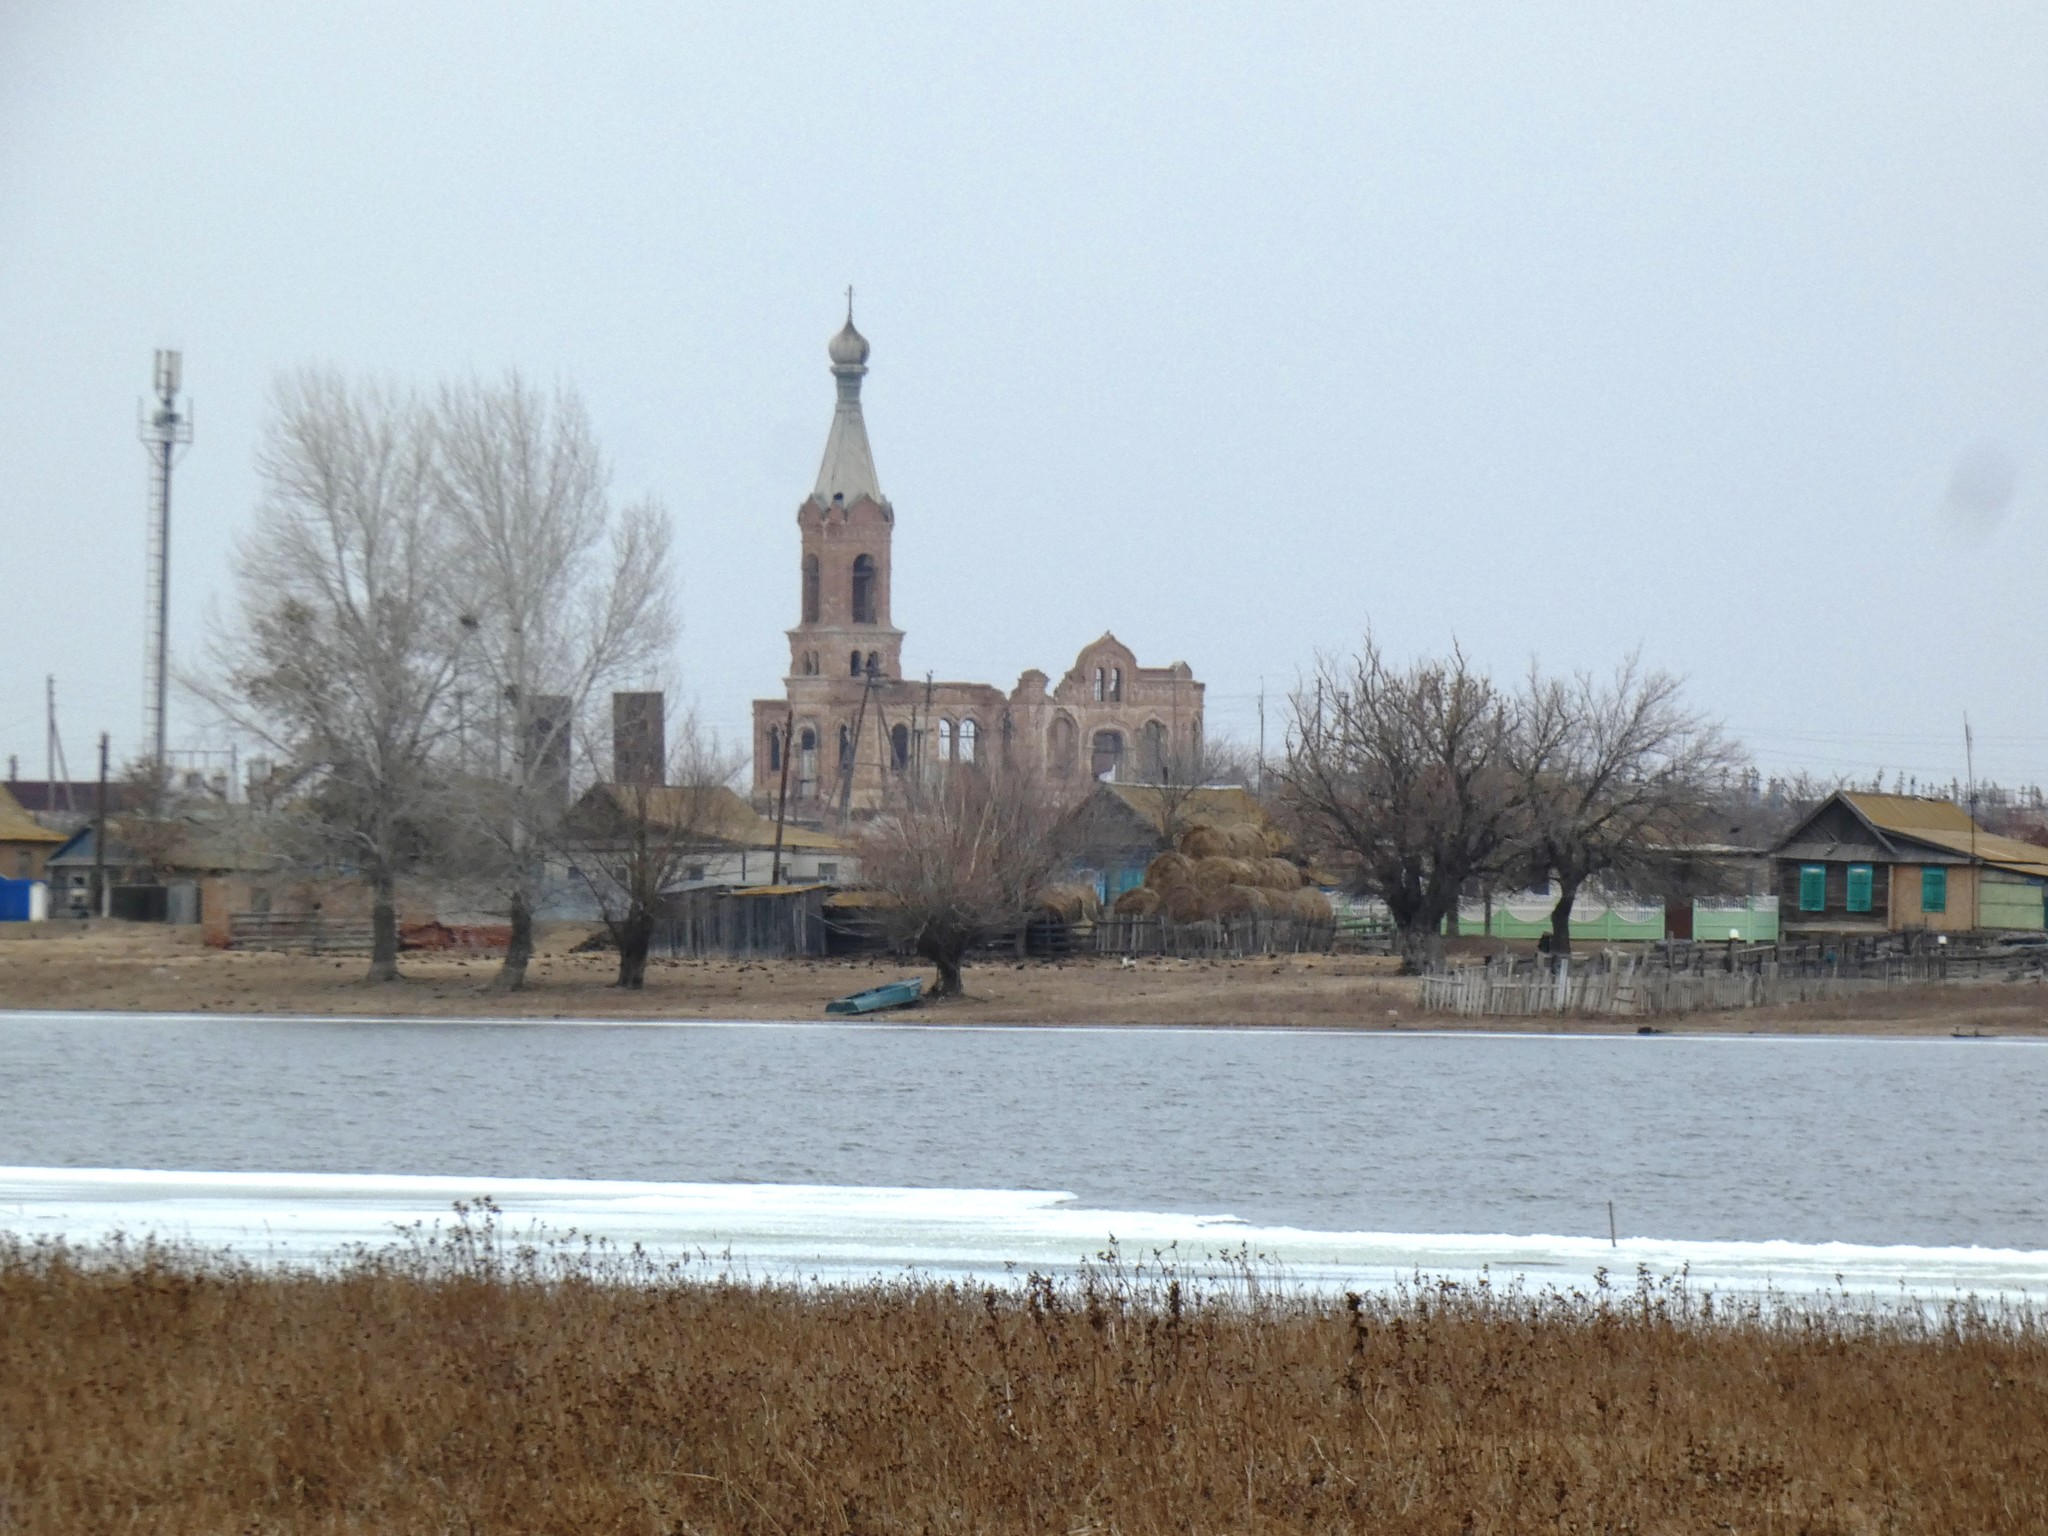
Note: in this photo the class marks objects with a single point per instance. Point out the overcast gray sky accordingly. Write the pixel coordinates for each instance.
(1719, 330)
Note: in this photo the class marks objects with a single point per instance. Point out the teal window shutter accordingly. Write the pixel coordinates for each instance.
(1933, 889)
(1859, 887)
(1813, 887)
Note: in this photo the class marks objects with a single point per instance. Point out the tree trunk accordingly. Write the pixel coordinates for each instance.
(383, 929)
(511, 975)
(1422, 948)
(635, 935)
(945, 955)
(1561, 917)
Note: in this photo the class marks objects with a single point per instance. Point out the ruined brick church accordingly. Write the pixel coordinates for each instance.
(850, 723)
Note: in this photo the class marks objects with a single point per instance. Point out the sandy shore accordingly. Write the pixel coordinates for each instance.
(148, 968)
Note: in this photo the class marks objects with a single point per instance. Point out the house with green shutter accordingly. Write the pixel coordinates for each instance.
(1864, 864)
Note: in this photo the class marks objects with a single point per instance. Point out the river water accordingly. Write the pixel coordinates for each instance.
(854, 1148)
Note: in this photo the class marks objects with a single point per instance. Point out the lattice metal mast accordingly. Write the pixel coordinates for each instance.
(163, 432)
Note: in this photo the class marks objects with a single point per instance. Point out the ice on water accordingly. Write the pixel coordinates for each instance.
(797, 1231)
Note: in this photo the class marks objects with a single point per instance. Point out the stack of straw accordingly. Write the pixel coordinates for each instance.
(1231, 871)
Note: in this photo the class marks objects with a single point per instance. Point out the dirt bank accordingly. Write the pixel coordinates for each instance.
(148, 968)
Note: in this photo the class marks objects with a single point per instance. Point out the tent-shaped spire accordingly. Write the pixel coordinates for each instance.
(849, 466)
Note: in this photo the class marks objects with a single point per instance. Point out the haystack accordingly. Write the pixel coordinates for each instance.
(1139, 901)
(1215, 872)
(1169, 870)
(1239, 901)
(1187, 903)
(1070, 903)
(1280, 875)
(1307, 905)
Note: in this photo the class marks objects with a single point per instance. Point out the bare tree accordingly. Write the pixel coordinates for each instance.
(563, 596)
(347, 636)
(1405, 776)
(1176, 773)
(1617, 778)
(957, 857)
(631, 842)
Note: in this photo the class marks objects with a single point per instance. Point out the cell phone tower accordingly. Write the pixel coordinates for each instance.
(164, 432)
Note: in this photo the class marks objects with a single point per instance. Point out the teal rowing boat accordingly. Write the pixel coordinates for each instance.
(896, 994)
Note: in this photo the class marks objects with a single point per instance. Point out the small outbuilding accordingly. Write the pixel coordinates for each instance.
(1120, 828)
(1866, 864)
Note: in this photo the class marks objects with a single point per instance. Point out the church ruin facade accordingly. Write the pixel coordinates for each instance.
(850, 725)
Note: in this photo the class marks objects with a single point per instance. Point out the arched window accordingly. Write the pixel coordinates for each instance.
(807, 763)
(970, 734)
(1099, 688)
(1106, 761)
(1155, 751)
(899, 747)
(945, 741)
(1116, 685)
(853, 664)
(810, 589)
(863, 589)
(874, 663)
(845, 745)
(1061, 743)
(774, 749)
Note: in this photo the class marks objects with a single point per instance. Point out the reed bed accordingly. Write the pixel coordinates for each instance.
(457, 1384)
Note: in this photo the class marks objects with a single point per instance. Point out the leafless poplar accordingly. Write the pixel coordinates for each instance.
(346, 636)
(563, 596)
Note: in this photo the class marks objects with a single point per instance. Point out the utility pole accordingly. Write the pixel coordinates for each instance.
(163, 432)
(99, 839)
(1976, 874)
(1262, 736)
(853, 749)
(53, 752)
(782, 794)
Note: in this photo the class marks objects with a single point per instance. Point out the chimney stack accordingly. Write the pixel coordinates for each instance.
(639, 739)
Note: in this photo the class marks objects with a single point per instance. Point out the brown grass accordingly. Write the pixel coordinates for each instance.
(463, 1391)
(147, 967)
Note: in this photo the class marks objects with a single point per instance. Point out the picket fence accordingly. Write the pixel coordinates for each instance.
(1627, 989)
(1213, 938)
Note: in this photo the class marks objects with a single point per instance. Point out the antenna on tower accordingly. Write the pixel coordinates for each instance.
(164, 432)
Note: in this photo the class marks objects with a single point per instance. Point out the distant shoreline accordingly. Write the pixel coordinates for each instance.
(144, 969)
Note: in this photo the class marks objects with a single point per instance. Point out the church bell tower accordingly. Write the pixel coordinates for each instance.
(843, 628)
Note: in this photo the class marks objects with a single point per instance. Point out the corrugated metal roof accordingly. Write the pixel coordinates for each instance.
(1947, 825)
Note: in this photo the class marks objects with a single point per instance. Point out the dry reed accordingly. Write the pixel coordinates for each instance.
(454, 1388)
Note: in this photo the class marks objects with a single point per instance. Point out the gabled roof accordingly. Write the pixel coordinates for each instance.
(720, 818)
(17, 826)
(78, 850)
(1215, 805)
(1939, 824)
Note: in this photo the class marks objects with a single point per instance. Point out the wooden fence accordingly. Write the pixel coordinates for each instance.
(1628, 989)
(307, 931)
(1216, 937)
(783, 921)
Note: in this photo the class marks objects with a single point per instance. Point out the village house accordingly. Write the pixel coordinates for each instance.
(849, 721)
(1865, 863)
(25, 844)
